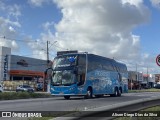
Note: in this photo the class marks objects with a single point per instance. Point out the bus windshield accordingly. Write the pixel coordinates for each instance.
(65, 77)
(65, 61)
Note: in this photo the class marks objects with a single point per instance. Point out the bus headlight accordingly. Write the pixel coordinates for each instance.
(72, 88)
(52, 89)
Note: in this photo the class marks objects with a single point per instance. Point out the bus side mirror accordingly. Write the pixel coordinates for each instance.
(48, 72)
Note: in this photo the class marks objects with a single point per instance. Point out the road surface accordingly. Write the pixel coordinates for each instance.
(74, 104)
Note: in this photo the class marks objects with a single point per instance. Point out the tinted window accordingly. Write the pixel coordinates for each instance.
(65, 60)
(26, 86)
(98, 62)
(82, 63)
(120, 67)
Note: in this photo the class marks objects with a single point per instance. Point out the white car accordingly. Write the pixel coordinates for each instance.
(24, 88)
(1, 88)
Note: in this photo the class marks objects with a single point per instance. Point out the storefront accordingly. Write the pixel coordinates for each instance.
(17, 70)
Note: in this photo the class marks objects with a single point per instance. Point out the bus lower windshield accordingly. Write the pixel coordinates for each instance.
(65, 77)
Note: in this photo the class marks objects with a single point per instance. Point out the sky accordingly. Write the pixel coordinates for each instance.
(126, 30)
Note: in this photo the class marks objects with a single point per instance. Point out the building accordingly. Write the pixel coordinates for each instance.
(16, 70)
(148, 80)
(134, 79)
(157, 78)
(151, 80)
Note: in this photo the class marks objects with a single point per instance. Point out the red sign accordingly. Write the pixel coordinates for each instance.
(158, 60)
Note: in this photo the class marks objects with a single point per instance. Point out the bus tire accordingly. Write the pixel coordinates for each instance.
(119, 92)
(116, 92)
(67, 97)
(89, 93)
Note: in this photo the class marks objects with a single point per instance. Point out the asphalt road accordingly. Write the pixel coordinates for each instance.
(74, 104)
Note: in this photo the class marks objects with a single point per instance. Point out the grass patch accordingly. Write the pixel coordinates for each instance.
(156, 108)
(41, 118)
(22, 95)
(150, 111)
(144, 90)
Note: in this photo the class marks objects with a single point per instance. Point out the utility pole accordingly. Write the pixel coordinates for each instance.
(137, 80)
(47, 52)
(136, 73)
(48, 81)
(147, 77)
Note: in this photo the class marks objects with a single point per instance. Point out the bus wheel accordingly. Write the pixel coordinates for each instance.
(89, 93)
(119, 92)
(66, 97)
(116, 92)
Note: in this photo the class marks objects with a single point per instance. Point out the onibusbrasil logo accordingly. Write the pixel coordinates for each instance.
(158, 60)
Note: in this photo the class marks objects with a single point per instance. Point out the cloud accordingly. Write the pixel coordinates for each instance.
(9, 24)
(10, 10)
(48, 25)
(40, 47)
(11, 29)
(102, 27)
(8, 30)
(155, 3)
(38, 3)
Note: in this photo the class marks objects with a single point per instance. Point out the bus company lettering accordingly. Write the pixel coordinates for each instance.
(5, 67)
(15, 114)
(101, 73)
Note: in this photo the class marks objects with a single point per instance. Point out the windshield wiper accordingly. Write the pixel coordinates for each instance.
(67, 84)
(55, 84)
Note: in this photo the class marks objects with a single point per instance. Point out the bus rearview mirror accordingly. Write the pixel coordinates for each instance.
(48, 72)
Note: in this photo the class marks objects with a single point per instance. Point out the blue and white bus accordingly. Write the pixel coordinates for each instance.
(83, 74)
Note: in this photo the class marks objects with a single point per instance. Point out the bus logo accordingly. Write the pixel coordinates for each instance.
(6, 114)
(23, 63)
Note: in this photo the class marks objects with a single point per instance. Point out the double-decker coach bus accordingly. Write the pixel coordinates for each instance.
(83, 74)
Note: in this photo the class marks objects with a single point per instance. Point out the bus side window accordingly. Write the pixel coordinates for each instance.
(119, 77)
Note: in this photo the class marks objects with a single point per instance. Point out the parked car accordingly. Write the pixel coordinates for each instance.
(39, 86)
(24, 88)
(1, 88)
(157, 86)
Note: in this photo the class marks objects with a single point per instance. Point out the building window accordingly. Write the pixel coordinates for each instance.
(27, 78)
(17, 78)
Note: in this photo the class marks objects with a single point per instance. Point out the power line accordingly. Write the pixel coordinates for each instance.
(47, 52)
(11, 39)
(22, 40)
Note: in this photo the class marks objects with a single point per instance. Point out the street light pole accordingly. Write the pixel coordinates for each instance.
(48, 83)
(147, 77)
(47, 52)
(48, 42)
